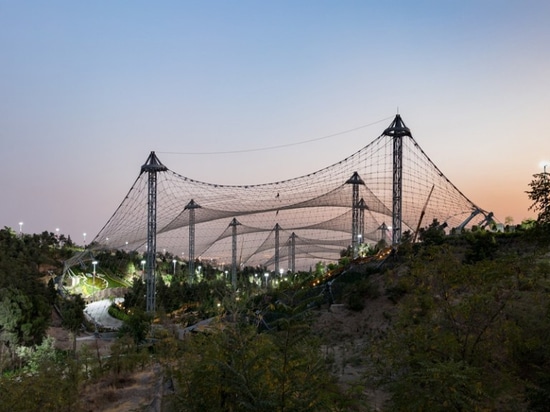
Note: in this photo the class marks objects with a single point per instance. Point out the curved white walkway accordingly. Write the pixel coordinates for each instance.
(97, 312)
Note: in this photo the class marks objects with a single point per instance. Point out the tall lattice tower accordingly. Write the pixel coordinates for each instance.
(152, 166)
(397, 130)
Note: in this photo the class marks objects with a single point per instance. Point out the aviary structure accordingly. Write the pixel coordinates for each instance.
(376, 193)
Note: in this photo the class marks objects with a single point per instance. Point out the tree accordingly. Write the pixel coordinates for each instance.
(136, 326)
(135, 297)
(72, 312)
(232, 367)
(540, 195)
(35, 357)
(12, 305)
(434, 234)
(482, 246)
(300, 380)
(54, 387)
(23, 320)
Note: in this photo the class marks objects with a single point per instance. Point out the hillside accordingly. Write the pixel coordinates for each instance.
(343, 331)
(453, 323)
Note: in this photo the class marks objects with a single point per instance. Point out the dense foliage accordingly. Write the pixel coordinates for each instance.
(234, 367)
(540, 195)
(25, 300)
(470, 332)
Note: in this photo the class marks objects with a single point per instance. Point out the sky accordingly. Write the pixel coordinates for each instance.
(246, 92)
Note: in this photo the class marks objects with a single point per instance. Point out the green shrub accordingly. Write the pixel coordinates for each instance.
(357, 292)
(117, 313)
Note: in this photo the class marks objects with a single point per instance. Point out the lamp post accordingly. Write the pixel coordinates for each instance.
(84, 235)
(266, 274)
(543, 164)
(174, 262)
(93, 274)
(21, 228)
(57, 231)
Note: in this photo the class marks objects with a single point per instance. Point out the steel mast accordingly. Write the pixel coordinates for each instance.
(397, 130)
(152, 166)
(355, 180)
(234, 223)
(191, 206)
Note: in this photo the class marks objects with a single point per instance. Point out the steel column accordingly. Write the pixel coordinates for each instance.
(191, 206)
(152, 166)
(397, 130)
(234, 223)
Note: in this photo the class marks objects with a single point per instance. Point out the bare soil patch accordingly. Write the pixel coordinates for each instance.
(64, 340)
(346, 334)
(138, 391)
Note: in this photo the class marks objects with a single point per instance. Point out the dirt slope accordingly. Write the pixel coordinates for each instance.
(345, 332)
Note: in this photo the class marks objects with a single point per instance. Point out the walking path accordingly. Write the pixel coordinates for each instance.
(98, 313)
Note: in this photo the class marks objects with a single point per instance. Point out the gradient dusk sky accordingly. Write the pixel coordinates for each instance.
(89, 88)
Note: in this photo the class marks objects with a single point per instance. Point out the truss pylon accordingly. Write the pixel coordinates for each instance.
(234, 223)
(397, 130)
(362, 206)
(152, 166)
(292, 253)
(355, 180)
(191, 206)
(277, 254)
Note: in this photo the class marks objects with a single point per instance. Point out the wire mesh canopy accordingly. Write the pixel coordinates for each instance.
(315, 211)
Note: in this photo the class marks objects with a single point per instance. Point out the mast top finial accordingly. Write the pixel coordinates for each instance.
(397, 128)
(153, 164)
